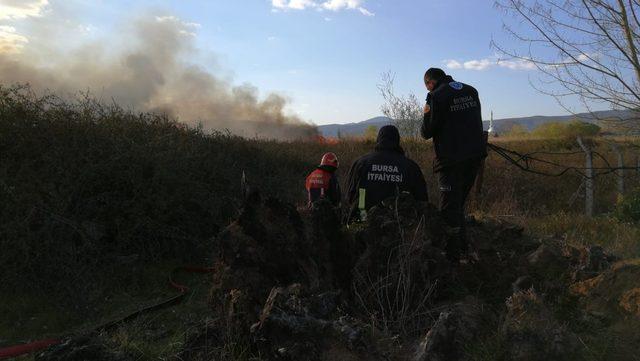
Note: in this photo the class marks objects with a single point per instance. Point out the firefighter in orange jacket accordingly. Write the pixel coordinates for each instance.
(323, 182)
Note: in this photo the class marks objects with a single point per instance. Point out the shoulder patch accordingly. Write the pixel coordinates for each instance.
(456, 85)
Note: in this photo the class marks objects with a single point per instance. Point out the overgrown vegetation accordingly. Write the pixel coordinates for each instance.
(86, 190)
(628, 207)
(619, 237)
(98, 202)
(371, 133)
(555, 130)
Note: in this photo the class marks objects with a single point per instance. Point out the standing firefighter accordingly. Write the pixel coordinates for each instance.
(453, 119)
(384, 173)
(322, 182)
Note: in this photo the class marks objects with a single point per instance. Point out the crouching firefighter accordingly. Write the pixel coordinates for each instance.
(383, 173)
(452, 117)
(323, 182)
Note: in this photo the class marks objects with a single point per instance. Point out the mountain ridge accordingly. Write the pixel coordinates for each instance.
(499, 125)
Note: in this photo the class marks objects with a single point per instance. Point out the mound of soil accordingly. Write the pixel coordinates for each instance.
(615, 293)
(296, 285)
(383, 282)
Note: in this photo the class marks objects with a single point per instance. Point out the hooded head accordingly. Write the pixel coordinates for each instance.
(389, 139)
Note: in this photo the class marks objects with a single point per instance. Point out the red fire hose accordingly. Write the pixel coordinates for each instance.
(14, 351)
(18, 350)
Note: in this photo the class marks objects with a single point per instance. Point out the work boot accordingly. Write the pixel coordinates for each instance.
(455, 244)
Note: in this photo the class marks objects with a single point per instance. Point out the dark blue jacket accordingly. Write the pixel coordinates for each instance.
(385, 172)
(455, 123)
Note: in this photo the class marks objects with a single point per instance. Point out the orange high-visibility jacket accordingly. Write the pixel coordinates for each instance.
(322, 183)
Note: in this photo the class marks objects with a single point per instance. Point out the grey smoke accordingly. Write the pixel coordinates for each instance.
(148, 68)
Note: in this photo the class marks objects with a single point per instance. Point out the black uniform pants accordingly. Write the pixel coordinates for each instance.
(455, 183)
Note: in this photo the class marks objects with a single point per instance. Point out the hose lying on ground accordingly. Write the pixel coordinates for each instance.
(18, 350)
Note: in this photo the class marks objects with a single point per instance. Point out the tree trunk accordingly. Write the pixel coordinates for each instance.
(633, 51)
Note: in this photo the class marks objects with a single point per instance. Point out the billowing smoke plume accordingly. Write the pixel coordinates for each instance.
(152, 71)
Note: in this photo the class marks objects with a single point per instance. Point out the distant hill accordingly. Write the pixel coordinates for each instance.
(502, 125)
(499, 125)
(332, 130)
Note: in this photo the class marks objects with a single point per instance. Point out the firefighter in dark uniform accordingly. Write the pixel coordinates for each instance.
(323, 182)
(452, 117)
(384, 173)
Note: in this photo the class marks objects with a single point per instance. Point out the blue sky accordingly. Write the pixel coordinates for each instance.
(326, 56)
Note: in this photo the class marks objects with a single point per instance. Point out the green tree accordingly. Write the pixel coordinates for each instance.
(549, 130)
(371, 132)
(570, 129)
(517, 131)
(576, 127)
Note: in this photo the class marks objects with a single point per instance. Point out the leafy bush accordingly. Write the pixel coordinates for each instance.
(570, 130)
(628, 208)
(517, 131)
(371, 133)
(89, 192)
